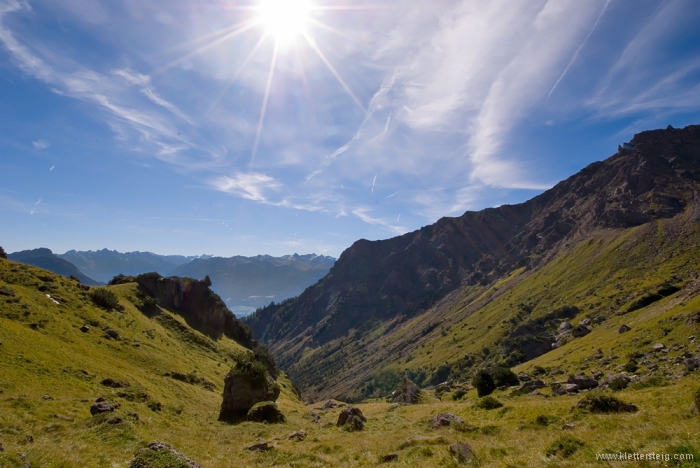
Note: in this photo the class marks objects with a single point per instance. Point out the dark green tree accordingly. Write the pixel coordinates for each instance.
(483, 383)
(2, 253)
(207, 280)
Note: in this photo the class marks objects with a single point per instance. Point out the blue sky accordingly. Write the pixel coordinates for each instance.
(190, 127)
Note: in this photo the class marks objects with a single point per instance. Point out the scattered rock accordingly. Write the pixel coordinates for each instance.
(390, 457)
(2, 449)
(298, 435)
(353, 418)
(112, 333)
(461, 451)
(62, 417)
(29, 439)
(558, 388)
(571, 388)
(445, 419)
(597, 374)
(583, 382)
(568, 427)
(597, 355)
(624, 328)
(692, 364)
(265, 411)
(102, 407)
(585, 322)
(115, 383)
(260, 447)
(315, 417)
(159, 454)
(330, 404)
(579, 330)
(47, 397)
(84, 329)
(564, 326)
(524, 377)
(658, 347)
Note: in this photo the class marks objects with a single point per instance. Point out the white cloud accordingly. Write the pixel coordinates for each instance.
(251, 186)
(363, 214)
(41, 144)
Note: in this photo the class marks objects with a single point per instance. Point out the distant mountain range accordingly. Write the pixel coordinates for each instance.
(103, 265)
(244, 283)
(46, 259)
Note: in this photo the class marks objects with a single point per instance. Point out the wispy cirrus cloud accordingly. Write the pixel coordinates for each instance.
(250, 186)
(41, 144)
(111, 93)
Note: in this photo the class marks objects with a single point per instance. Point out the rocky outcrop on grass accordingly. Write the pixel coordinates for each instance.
(161, 455)
(605, 404)
(265, 411)
(407, 392)
(351, 419)
(246, 384)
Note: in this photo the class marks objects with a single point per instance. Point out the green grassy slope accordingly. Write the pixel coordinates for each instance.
(602, 276)
(49, 367)
(43, 353)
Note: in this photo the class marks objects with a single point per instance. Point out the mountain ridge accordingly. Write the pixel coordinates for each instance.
(46, 259)
(654, 177)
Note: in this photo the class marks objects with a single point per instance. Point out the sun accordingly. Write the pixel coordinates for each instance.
(284, 19)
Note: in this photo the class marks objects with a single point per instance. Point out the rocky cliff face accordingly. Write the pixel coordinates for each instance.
(408, 274)
(657, 176)
(197, 304)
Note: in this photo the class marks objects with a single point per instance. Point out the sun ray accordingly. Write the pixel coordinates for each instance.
(268, 85)
(329, 28)
(347, 89)
(246, 25)
(233, 78)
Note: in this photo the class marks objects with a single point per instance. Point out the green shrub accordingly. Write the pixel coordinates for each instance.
(3, 254)
(651, 381)
(247, 366)
(543, 420)
(265, 411)
(605, 404)
(488, 403)
(483, 383)
(458, 394)
(104, 298)
(504, 376)
(631, 367)
(564, 446)
(618, 384)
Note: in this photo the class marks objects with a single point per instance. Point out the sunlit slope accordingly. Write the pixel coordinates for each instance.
(601, 277)
(51, 373)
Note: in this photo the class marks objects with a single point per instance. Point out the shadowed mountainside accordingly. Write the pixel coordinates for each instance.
(382, 285)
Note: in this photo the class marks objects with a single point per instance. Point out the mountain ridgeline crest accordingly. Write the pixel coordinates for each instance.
(655, 176)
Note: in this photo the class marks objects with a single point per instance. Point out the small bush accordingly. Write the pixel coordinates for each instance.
(488, 403)
(651, 381)
(618, 384)
(458, 394)
(104, 298)
(631, 367)
(605, 404)
(247, 366)
(3, 254)
(543, 420)
(564, 446)
(483, 383)
(504, 376)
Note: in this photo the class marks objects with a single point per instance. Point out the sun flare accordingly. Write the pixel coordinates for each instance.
(284, 19)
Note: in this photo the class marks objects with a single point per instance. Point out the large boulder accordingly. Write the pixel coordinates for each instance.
(445, 419)
(246, 384)
(583, 382)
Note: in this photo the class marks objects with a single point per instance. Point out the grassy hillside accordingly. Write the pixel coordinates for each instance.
(51, 372)
(601, 278)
